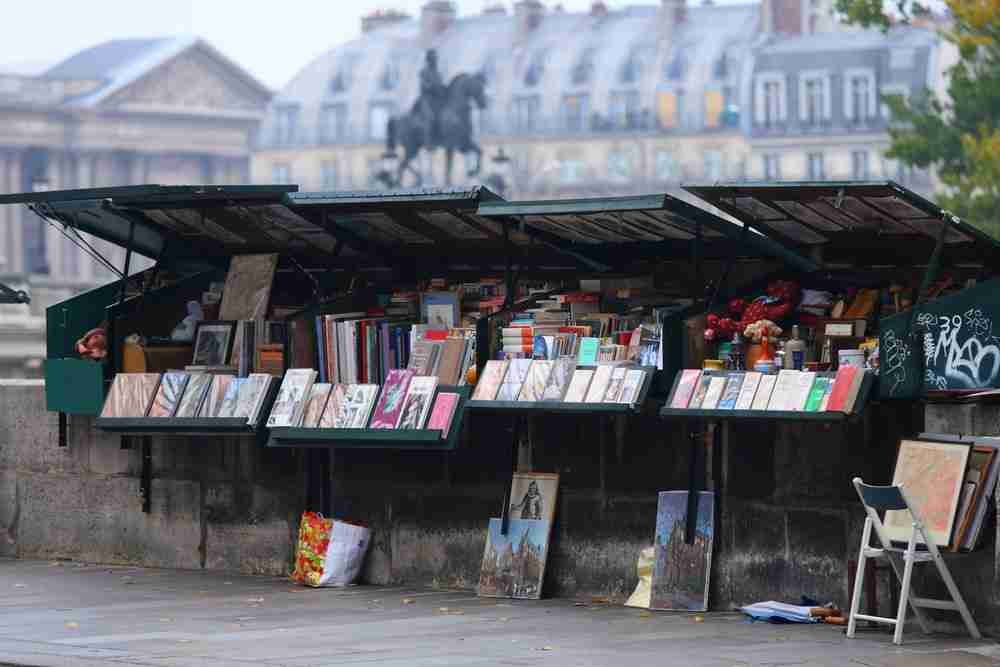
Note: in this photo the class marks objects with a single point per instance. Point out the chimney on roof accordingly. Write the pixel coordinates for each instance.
(496, 9)
(672, 14)
(529, 15)
(436, 16)
(795, 17)
(382, 18)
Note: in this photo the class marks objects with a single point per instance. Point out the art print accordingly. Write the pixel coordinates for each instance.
(212, 342)
(194, 395)
(168, 395)
(130, 395)
(681, 570)
(533, 495)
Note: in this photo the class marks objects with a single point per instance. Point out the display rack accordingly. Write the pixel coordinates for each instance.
(778, 415)
(561, 407)
(372, 438)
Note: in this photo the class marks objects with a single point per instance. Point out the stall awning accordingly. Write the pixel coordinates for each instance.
(879, 223)
(620, 230)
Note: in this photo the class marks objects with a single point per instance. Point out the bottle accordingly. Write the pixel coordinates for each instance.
(737, 360)
(795, 351)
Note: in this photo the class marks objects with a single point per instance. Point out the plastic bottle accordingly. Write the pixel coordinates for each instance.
(795, 351)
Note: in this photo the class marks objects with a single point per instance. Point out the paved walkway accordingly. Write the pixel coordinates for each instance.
(64, 613)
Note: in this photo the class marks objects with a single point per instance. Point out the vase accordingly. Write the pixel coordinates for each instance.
(759, 352)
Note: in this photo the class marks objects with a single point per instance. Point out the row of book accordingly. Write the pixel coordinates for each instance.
(559, 380)
(182, 394)
(788, 390)
(406, 401)
(447, 359)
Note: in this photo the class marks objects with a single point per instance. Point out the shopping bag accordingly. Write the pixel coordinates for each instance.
(329, 552)
(643, 590)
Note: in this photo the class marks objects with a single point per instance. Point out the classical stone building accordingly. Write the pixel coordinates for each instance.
(169, 111)
(621, 100)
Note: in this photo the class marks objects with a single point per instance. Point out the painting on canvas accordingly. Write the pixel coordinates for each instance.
(533, 495)
(932, 474)
(681, 570)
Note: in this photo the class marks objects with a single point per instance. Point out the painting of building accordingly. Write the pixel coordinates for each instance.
(681, 571)
(514, 563)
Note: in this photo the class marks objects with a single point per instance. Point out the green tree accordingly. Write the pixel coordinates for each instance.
(959, 137)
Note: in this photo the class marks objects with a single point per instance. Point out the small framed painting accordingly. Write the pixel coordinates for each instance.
(932, 474)
(212, 341)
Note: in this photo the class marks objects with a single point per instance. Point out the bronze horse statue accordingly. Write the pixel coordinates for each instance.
(451, 130)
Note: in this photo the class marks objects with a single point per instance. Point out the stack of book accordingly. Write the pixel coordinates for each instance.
(352, 348)
(404, 402)
(787, 391)
(250, 336)
(188, 395)
(558, 380)
(448, 360)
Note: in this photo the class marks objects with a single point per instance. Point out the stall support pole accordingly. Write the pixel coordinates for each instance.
(146, 480)
(515, 448)
(63, 430)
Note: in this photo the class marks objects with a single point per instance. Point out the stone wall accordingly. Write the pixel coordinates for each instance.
(788, 522)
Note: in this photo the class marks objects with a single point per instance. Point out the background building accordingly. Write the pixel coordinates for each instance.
(625, 100)
(129, 111)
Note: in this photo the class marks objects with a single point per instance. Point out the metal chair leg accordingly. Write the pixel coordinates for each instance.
(904, 594)
(859, 578)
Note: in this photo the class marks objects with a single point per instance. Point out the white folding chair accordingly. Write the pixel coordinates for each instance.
(882, 498)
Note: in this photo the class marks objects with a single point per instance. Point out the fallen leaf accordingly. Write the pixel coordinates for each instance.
(253, 600)
(227, 583)
(184, 641)
(443, 609)
(503, 619)
(644, 614)
(408, 600)
(166, 620)
(544, 648)
(20, 585)
(579, 604)
(72, 625)
(699, 619)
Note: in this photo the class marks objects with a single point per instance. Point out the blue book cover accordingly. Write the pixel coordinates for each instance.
(441, 310)
(540, 348)
(731, 392)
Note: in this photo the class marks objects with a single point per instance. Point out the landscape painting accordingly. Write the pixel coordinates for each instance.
(681, 572)
(514, 564)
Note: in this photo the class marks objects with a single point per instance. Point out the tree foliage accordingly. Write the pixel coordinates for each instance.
(960, 136)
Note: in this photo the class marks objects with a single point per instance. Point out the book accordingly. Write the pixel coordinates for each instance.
(443, 412)
(559, 379)
(517, 373)
(168, 394)
(686, 385)
(489, 384)
(194, 395)
(716, 386)
(632, 386)
(316, 404)
(359, 400)
(843, 387)
(288, 406)
(816, 394)
(216, 392)
(450, 366)
(801, 388)
(130, 395)
(828, 390)
(783, 395)
(700, 390)
(390, 403)
(538, 377)
(615, 385)
(441, 310)
(578, 386)
(599, 384)
(588, 350)
(227, 407)
(762, 399)
(251, 394)
(334, 404)
(731, 392)
(417, 404)
(267, 382)
(751, 380)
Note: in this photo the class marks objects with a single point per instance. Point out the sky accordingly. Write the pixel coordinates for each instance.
(272, 40)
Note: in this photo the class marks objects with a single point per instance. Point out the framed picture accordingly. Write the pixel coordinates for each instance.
(932, 472)
(212, 341)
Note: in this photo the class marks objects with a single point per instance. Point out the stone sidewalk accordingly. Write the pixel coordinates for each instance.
(65, 613)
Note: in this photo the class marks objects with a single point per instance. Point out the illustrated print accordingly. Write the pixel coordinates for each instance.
(530, 506)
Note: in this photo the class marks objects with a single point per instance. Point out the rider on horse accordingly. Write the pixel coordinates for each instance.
(432, 96)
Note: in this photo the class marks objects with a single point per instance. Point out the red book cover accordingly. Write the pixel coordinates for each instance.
(390, 403)
(685, 388)
(841, 388)
(436, 334)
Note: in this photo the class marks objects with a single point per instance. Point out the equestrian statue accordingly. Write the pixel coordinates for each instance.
(440, 118)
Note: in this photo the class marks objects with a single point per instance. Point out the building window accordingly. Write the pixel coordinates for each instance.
(281, 173)
(666, 167)
(535, 70)
(286, 122)
(772, 167)
(859, 165)
(713, 165)
(576, 111)
(328, 175)
(859, 95)
(583, 70)
(571, 172)
(378, 120)
(390, 74)
(624, 109)
(677, 66)
(814, 100)
(815, 167)
(620, 166)
(332, 123)
(714, 106)
(634, 66)
(344, 75)
(525, 112)
(770, 103)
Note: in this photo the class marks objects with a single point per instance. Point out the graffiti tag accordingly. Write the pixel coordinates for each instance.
(960, 351)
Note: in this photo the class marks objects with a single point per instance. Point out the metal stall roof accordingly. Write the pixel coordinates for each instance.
(873, 223)
(622, 230)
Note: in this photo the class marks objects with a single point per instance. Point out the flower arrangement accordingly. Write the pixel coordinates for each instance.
(762, 329)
